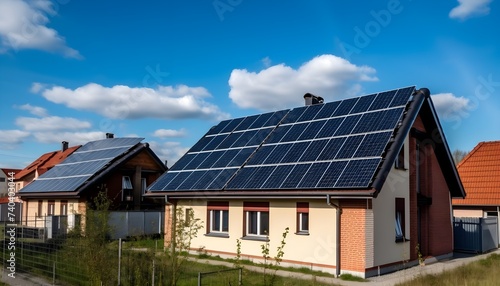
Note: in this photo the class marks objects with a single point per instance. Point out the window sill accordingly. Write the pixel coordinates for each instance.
(401, 240)
(302, 233)
(255, 237)
(217, 234)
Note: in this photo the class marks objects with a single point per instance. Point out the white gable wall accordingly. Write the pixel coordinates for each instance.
(386, 250)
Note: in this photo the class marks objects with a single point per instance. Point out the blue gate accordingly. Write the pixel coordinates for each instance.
(478, 235)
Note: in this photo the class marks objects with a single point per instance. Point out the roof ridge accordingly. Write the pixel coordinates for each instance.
(470, 154)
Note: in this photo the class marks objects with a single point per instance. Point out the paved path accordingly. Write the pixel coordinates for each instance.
(24, 279)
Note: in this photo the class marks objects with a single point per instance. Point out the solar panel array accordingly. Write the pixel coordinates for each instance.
(81, 165)
(333, 145)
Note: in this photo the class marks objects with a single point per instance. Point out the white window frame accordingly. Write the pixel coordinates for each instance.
(300, 223)
(127, 183)
(220, 227)
(259, 220)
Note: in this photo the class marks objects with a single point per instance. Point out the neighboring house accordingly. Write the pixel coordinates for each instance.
(42, 165)
(122, 167)
(360, 183)
(5, 175)
(480, 174)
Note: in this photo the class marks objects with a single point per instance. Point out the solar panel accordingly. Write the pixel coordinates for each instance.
(78, 167)
(333, 145)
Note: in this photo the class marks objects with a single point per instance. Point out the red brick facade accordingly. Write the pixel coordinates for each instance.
(353, 234)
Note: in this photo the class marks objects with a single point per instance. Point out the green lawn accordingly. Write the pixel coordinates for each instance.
(483, 272)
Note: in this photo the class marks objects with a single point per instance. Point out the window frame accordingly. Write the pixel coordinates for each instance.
(127, 186)
(302, 211)
(51, 207)
(40, 208)
(399, 163)
(257, 208)
(400, 220)
(63, 207)
(221, 207)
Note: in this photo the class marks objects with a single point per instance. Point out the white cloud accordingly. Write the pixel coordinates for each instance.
(13, 136)
(449, 106)
(469, 8)
(35, 110)
(74, 138)
(36, 87)
(51, 123)
(23, 25)
(123, 102)
(169, 133)
(168, 151)
(281, 86)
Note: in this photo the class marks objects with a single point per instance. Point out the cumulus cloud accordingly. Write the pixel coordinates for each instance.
(168, 151)
(469, 8)
(24, 26)
(51, 123)
(74, 138)
(13, 136)
(281, 86)
(169, 133)
(35, 110)
(266, 62)
(123, 102)
(449, 106)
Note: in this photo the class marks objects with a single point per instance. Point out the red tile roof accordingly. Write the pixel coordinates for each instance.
(46, 161)
(9, 170)
(480, 175)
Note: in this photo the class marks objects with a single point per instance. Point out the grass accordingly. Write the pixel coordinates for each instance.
(481, 272)
(350, 277)
(303, 270)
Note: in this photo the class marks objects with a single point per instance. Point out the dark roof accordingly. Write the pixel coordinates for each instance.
(92, 161)
(46, 162)
(342, 148)
(480, 174)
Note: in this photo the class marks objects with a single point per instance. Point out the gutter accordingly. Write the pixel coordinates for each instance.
(337, 234)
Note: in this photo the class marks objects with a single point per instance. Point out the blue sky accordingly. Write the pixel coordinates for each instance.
(168, 70)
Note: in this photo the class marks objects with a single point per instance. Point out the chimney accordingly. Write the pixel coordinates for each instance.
(110, 135)
(64, 146)
(312, 99)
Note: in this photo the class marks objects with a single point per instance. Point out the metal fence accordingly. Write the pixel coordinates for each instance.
(476, 235)
(135, 223)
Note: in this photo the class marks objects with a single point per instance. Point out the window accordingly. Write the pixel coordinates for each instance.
(64, 207)
(40, 205)
(302, 218)
(218, 217)
(400, 220)
(400, 161)
(2, 179)
(126, 183)
(51, 207)
(188, 215)
(256, 219)
(126, 189)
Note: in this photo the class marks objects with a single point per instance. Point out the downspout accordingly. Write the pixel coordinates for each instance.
(337, 234)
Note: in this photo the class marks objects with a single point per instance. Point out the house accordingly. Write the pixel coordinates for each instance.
(122, 167)
(480, 174)
(6, 177)
(361, 183)
(42, 165)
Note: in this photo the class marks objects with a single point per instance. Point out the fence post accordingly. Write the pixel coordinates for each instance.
(119, 259)
(153, 274)
(240, 277)
(54, 273)
(199, 278)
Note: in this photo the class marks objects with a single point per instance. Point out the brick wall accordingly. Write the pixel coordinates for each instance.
(353, 235)
(436, 229)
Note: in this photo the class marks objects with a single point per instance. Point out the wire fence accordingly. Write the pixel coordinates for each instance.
(63, 256)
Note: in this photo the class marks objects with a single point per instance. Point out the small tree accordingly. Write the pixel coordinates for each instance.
(277, 259)
(186, 228)
(458, 155)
